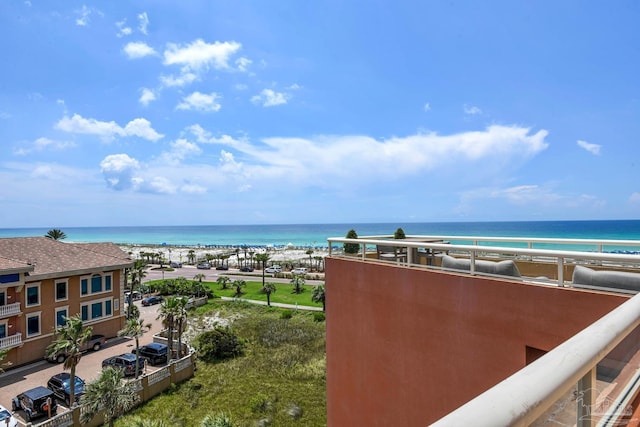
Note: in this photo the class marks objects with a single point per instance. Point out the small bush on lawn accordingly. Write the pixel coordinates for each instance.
(286, 314)
(318, 317)
(218, 344)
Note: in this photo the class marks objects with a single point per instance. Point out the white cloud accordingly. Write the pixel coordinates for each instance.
(427, 106)
(123, 30)
(84, 16)
(143, 22)
(205, 137)
(119, 171)
(634, 198)
(471, 109)
(147, 96)
(42, 144)
(243, 64)
(180, 150)
(193, 189)
(294, 86)
(135, 50)
(200, 102)
(241, 86)
(142, 128)
(182, 80)
(270, 98)
(108, 130)
(592, 148)
(201, 55)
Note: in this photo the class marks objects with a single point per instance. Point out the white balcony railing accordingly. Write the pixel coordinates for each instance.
(523, 397)
(522, 247)
(10, 309)
(11, 341)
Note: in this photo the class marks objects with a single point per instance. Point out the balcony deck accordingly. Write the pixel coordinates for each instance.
(591, 379)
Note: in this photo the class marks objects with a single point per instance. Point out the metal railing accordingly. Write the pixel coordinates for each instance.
(441, 244)
(523, 397)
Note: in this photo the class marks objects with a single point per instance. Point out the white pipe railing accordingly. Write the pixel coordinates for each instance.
(435, 243)
(521, 398)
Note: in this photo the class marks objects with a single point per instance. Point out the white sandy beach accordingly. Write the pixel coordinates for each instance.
(181, 253)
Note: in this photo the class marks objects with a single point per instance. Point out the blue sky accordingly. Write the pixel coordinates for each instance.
(255, 112)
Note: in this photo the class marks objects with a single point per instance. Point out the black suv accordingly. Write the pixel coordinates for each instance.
(35, 403)
(60, 385)
(126, 362)
(155, 352)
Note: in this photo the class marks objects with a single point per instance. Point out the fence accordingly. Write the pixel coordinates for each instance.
(148, 386)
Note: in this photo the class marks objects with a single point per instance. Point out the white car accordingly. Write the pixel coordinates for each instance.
(273, 269)
(6, 419)
(299, 271)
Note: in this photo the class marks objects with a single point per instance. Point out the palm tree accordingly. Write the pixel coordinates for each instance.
(318, 295)
(110, 394)
(238, 284)
(137, 274)
(56, 234)
(310, 252)
(69, 340)
(3, 354)
(168, 312)
(191, 256)
(223, 281)
(262, 259)
(199, 277)
(269, 288)
(298, 282)
(181, 320)
(135, 328)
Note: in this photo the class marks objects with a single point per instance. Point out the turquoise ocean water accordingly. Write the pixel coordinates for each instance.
(315, 235)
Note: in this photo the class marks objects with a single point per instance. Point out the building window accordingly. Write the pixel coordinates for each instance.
(33, 324)
(9, 278)
(33, 295)
(96, 310)
(61, 313)
(98, 283)
(61, 290)
(3, 329)
(3, 298)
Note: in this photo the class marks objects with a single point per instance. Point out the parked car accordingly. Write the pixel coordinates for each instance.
(126, 362)
(136, 295)
(222, 267)
(95, 342)
(35, 403)
(299, 271)
(152, 300)
(246, 269)
(204, 266)
(273, 269)
(175, 265)
(60, 385)
(156, 353)
(6, 419)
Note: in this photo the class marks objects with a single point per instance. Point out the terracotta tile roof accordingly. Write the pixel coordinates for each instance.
(10, 264)
(56, 258)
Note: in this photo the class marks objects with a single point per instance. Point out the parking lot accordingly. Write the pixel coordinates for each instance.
(17, 380)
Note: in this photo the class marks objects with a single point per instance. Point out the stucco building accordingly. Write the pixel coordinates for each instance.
(43, 280)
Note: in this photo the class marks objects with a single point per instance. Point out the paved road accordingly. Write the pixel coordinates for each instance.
(24, 378)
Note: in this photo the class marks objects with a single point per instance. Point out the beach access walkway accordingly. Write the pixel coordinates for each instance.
(274, 304)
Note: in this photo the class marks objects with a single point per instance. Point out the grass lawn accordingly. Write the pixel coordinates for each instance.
(252, 291)
(282, 371)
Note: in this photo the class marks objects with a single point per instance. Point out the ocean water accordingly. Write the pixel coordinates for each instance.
(315, 235)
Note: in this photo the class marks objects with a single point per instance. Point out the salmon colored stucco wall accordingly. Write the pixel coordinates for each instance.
(406, 346)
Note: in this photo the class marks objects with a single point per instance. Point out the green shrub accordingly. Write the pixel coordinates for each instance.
(399, 234)
(318, 317)
(286, 314)
(260, 403)
(218, 344)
